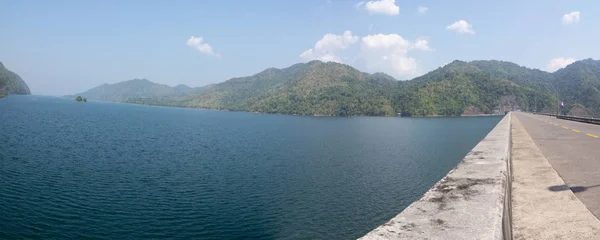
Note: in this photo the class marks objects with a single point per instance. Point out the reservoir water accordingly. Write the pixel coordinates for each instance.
(98, 170)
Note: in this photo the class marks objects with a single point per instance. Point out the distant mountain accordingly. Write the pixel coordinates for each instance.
(477, 87)
(182, 88)
(136, 88)
(522, 76)
(314, 88)
(11, 83)
(578, 86)
(333, 89)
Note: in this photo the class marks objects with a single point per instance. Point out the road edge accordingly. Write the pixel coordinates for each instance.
(538, 212)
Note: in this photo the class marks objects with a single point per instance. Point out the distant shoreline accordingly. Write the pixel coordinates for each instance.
(470, 115)
(227, 110)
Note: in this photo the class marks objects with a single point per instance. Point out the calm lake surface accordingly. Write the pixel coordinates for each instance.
(117, 171)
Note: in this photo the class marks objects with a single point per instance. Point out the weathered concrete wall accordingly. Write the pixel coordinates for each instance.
(466, 204)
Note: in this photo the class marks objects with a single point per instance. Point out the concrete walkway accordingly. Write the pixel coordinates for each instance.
(573, 150)
(543, 207)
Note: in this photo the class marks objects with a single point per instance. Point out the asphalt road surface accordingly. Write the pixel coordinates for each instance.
(573, 150)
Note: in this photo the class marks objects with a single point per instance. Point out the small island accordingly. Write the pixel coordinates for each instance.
(80, 99)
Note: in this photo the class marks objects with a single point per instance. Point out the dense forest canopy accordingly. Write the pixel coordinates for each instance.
(334, 89)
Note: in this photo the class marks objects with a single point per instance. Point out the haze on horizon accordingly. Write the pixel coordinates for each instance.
(64, 47)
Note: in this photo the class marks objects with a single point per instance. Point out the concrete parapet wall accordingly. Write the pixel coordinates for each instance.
(468, 203)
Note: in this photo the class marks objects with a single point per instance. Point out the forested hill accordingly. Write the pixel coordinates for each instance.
(136, 88)
(11, 83)
(458, 88)
(578, 86)
(477, 87)
(314, 88)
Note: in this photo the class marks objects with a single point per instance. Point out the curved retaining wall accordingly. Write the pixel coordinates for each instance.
(470, 202)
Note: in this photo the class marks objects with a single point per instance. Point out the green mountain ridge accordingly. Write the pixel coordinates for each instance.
(11, 83)
(481, 87)
(334, 89)
(135, 88)
(578, 85)
(314, 88)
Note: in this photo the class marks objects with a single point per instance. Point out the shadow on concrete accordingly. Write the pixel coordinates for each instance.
(575, 189)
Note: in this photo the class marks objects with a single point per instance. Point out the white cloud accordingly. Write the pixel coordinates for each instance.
(388, 53)
(326, 48)
(203, 47)
(462, 27)
(378, 53)
(387, 7)
(384, 41)
(422, 9)
(558, 63)
(571, 18)
(422, 44)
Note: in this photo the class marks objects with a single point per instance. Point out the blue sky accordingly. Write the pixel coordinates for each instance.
(64, 47)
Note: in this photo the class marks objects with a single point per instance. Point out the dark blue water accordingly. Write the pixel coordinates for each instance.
(116, 171)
